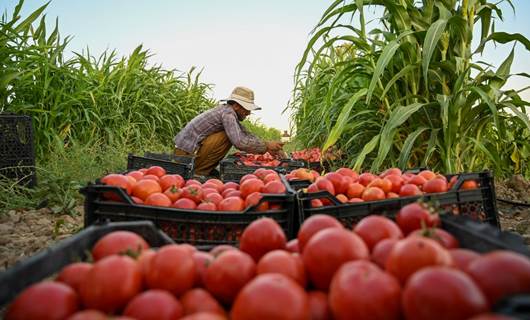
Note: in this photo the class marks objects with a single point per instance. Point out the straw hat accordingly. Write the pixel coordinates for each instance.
(243, 96)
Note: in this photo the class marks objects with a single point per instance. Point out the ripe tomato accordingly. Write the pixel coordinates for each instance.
(411, 254)
(390, 172)
(246, 177)
(200, 300)
(442, 293)
(151, 177)
(373, 229)
(342, 198)
(250, 186)
(111, 283)
(192, 182)
(158, 199)
(231, 185)
(136, 174)
(283, 262)
(154, 304)
(253, 199)
(501, 273)
(383, 184)
(230, 192)
(88, 314)
(348, 173)
(202, 261)
(417, 180)
(170, 180)
(435, 185)
(173, 193)
(184, 203)
(261, 236)
(44, 300)
(373, 194)
(215, 198)
(193, 192)
(463, 257)
(376, 296)
(416, 215)
(232, 204)
(323, 184)
(366, 178)
(292, 246)
(285, 299)
(204, 316)
(172, 269)
(274, 187)
(271, 177)
(318, 305)
(314, 224)
(337, 181)
(217, 250)
(228, 273)
(427, 174)
(143, 188)
(156, 170)
(381, 251)
(355, 190)
(73, 274)
(143, 262)
(315, 203)
(118, 242)
(346, 246)
(207, 206)
(397, 182)
(443, 237)
(409, 190)
(117, 180)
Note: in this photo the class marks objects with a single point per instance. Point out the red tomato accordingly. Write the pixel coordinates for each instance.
(111, 283)
(337, 180)
(231, 193)
(73, 274)
(318, 305)
(312, 225)
(271, 296)
(253, 199)
(214, 198)
(274, 187)
(217, 250)
(44, 300)
(172, 269)
(416, 215)
(490, 316)
(151, 177)
(417, 180)
(207, 189)
(143, 262)
(184, 203)
(246, 177)
(355, 190)
(435, 185)
(411, 254)
(250, 186)
(118, 242)
(501, 273)
(292, 246)
(397, 182)
(200, 300)
(228, 273)
(315, 203)
(202, 261)
(348, 173)
(366, 178)
(154, 305)
(193, 182)
(381, 251)
(373, 194)
(143, 188)
(323, 184)
(207, 206)
(463, 257)
(443, 237)
(442, 293)
(173, 193)
(158, 199)
(373, 229)
(409, 190)
(232, 204)
(231, 185)
(204, 316)
(383, 184)
(271, 177)
(193, 192)
(117, 180)
(156, 170)
(171, 180)
(376, 296)
(346, 246)
(136, 174)
(88, 314)
(390, 172)
(261, 236)
(427, 174)
(283, 262)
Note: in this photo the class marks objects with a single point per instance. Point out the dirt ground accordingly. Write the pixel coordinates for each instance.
(23, 233)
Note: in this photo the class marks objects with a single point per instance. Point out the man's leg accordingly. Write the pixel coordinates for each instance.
(212, 150)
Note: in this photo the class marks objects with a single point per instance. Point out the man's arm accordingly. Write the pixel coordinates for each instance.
(241, 139)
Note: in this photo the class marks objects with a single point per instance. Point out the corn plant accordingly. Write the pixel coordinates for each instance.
(412, 91)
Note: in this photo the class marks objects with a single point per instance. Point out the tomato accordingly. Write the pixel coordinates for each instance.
(88, 314)
(44, 300)
(390, 172)
(337, 181)
(383, 184)
(292, 246)
(318, 305)
(193, 192)
(283, 262)
(261, 236)
(342, 198)
(118, 242)
(253, 199)
(246, 177)
(315, 203)
(324, 184)
(143, 262)
(154, 305)
(271, 177)
(314, 224)
(373, 194)
(442, 293)
(232, 204)
(491, 316)
(184, 203)
(137, 200)
(469, 185)
(151, 177)
(204, 316)
(427, 174)
(250, 186)
(144, 188)
(171, 180)
(416, 215)
(214, 198)
(228, 273)
(111, 283)
(409, 190)
(217, 182)
(173, 193)
(501, 273)
(117, 180)
(271, 296)
(192, 182)
(136, 174)
(354, 200)
(73, 274)
(156, 170)
(443, 237)
(207, 206)
(355, 190)
(231, 193)
(381, 251)
(376, 296)
(172, 269)
(392, 195)
(435, 185)
(373, 229)
(274, 187)
(396, 181)
(366, 178)
(417, 180)
(338, 246)
(411, 254)
(348, 173)
(463, 257)
(158, 199)
(231, 185)
(217, 250)
(200, 300)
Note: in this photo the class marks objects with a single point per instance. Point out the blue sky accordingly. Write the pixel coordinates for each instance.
(252, 43)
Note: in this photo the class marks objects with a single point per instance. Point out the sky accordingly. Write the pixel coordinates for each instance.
(256, 44)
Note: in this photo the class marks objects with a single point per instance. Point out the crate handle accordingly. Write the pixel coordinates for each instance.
(317, 195)
(99, 188)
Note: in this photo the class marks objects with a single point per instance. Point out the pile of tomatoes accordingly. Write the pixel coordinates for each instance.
(153, 186)
(309, 155)
(349, 186)
(257, 160)
(380, 269)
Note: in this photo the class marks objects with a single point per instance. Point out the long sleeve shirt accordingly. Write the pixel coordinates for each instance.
(220, 118)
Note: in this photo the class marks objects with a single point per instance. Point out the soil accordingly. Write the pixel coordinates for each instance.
(23, 233)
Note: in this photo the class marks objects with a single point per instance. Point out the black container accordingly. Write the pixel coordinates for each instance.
(204, 229)
(183, 166)
(48, 262)
(17, 154)
(231, 168)
(478, 204)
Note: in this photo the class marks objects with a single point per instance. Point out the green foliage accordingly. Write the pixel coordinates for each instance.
(410, 93)
(262, 131)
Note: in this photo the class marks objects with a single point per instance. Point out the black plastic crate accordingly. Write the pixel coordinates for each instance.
(170, 157)
(17, 154)
(478, 204)
(184, 166)
(231, 168)
(204, 229)
(48, 262)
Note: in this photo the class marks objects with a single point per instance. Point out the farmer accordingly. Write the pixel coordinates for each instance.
(211, 134)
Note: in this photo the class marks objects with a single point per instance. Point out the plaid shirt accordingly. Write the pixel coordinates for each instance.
(220, 118)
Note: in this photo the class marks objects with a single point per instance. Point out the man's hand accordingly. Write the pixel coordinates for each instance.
(275, 148)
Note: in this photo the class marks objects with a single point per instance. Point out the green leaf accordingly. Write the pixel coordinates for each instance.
(369, 147)
(407, 147)
(32, 17)
(522, 116)
(384, 59)
(504, 37)
(429, 45)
